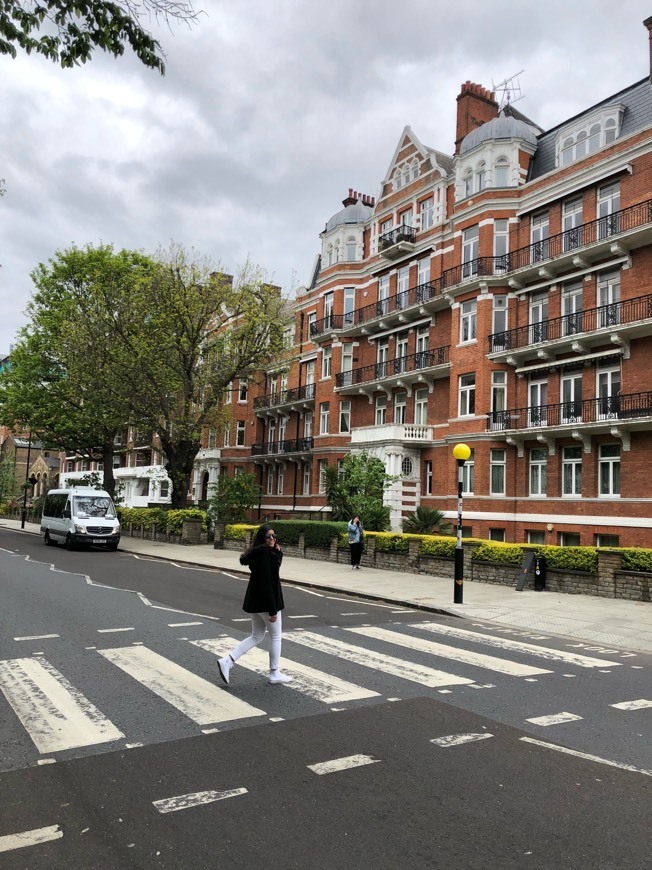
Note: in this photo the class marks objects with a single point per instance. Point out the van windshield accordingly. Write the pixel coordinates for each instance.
(93, 506)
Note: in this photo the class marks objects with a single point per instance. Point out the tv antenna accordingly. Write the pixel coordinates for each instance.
(509, 90)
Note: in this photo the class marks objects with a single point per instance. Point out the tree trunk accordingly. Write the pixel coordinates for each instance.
(107, 462)
(179, 466)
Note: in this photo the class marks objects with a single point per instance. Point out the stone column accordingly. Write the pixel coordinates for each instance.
(219, 534)
(191, 531)
(608, 564)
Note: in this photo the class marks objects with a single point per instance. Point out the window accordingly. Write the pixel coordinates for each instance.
(569, 539)
(609, 470)
(405, 218)
(272, 382)
(400, 362)
(608, 299)
(414, 170)
(499, 323)
(386, 226)
(349, 305)
(538, 398)
(326, 360)
(165, 488)
(240, 433)
(323, 464)
(282, 428)
(539, 232)
(468, 475)
(571, 471)
(608, 391)
(227, 435)
(420, 407)
(328, 309)
(284, 381)
(400, 408)
(288, 336)
(470, 242)
(498, 461)
(307, 425)
(538, 317)
(238, 469)
(381, 411)
(310, 372)
(407, 467)
(422, 346)
(468, 183)
(571, 397)
(426, 212)
(345, 417)
(398, 180)
(501, 246)
(312, 320)
(70, 466)
(571, 308)
(383, 294)
(607, 540)
(212, 439)
(423, 279)
(244, 389)
(270, 480)
(468, 320)
(572, 224)
(498, 400)
(403, 286)
(351, 249)
(497, 535)
(324, 414)
(306, 478)
(228, 393)
(382, 358)
(280, 480)
(538, 471)
(467, 395)
(271, 433)
(346, 364)
(534, 536)
(427, 477)
(481, 178)
(501, 173)
(608, 210)
(575, 144)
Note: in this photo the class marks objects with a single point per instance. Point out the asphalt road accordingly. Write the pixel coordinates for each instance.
(110, 704)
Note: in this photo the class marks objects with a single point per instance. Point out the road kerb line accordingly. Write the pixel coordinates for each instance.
(585, 755)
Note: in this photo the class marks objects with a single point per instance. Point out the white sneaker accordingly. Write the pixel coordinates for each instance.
(225, 666)
(278, 677)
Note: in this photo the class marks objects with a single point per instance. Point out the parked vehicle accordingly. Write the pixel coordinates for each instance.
(80, 516)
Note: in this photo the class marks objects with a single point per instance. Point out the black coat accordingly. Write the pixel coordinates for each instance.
(264, 593)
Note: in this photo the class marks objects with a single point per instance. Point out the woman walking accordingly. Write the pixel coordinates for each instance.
(264, 601)
(356, 535)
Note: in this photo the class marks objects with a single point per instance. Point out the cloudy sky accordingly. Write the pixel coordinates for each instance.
(269, 111)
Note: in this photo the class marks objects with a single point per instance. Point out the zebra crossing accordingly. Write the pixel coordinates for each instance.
(57, 716)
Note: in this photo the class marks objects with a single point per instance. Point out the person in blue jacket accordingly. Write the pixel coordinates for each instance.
(356, 537)
(264, 601)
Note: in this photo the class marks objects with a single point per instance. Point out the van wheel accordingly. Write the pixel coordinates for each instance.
(70, 544)
(48, 540)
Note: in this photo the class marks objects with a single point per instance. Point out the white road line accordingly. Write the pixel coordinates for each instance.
(459, 739)
(585, 755)
(182, 624)
(514, 645)
(316, 684)
(309, 591)
(338, 764)
(198, 799)
(54, 713)
(37, 637)
(195, 697)
(367, 603)
(479, 660)
(355, 613)
(303, 616)
(30, 838)
(377, 661)
(554, 719)
(113, 630)
(641, 704)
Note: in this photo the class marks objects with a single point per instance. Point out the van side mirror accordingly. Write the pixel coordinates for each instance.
(66, 513)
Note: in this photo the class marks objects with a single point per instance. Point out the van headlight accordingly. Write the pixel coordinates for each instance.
(80, 529)
(116, 531)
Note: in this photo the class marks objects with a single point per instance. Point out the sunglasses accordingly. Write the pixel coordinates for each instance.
(270, 536)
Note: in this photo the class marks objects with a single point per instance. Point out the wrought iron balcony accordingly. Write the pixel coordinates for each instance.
(287, 446)
(304, 393)
(605, 409)
(397, 242)
(397, 368)
(606, 317)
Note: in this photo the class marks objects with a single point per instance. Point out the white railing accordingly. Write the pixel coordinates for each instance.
(391, 432)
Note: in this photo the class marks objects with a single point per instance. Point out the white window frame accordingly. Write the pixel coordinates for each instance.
(498, 471)
(322, 483)
(468, 475)
(609, 471)
(571, 472)
(280, 480)
(240, 433)
(345, 417)
(326, 362)
(427, 213)
(466, 394)
(324, 418)
(400, 408)
(421, 407)
(427, 477)
(538, 472)
(306, 469)
(380, 410)
(468, 321)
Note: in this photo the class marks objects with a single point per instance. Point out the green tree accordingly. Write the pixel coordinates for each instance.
(74, 29)
(358, 488)
(9, 485)
(66, 381)
(427, 521)
(234, 497)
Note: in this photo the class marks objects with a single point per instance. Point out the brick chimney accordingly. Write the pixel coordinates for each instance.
(648, 23)
(354, 196)
(475, 106)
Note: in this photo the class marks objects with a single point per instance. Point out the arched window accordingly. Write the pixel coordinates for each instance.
(351, 249)
(330, 254)
(594, 138)
(406, 175)
(481, 177)
(338, 253)
(501, 173)
(580, 145)
(567, 151)
(609, 131)
(468, 182)
(415, 170)
(398, 180)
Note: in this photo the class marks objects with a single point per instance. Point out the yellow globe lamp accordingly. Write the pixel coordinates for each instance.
(461, 452)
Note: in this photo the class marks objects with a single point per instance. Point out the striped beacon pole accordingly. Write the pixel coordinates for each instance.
(461, 452)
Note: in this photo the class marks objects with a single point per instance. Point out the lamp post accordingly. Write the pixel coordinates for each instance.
(26, 484)
(461, 452)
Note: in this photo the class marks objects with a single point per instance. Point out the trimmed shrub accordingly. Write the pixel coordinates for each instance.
(175, 519)
(636, 559)
(386, 542)
(315, 534)
(167, 521)
(237, 531)
(441, 547)
(496, 551)
(570, 558)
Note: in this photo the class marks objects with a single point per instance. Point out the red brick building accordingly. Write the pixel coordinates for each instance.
(499, 296)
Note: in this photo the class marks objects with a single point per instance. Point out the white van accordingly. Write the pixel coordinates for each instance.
(81, 515)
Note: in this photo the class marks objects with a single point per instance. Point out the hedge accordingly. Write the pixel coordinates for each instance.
(167, 521)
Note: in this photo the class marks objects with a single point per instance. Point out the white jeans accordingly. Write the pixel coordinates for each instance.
(259, 625)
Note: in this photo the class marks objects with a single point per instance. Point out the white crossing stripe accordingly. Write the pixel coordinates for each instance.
(198, 699)
(37, 637)
(316, 684)
(515, 645)
(459, 739)
(199, 798)
(641, 704)
(30, 838)
(379, 661)
(585, 755)
(554, 719)
(54, 713)
(502, 666)
(338, 764)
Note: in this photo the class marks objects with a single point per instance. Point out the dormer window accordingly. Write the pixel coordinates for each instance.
(468, 183)
(593, 134)
(351, 249)
(501, 173)
(406, 175)
(415, 170)
(398, 180)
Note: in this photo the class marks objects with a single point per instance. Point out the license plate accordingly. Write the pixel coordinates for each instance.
(98, 541)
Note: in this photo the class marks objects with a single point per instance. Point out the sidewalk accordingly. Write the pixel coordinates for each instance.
(604, 622)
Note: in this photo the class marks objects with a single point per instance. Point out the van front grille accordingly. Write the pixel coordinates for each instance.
(98, 530)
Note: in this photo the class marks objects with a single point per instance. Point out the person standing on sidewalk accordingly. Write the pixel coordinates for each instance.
(264, 601)
(356, 536)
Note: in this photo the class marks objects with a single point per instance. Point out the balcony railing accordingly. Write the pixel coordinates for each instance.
(291, 445)
(602, 409)
(571, 240)
(285, 397)
(398, 235)
(424, 359)
(603, 317)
